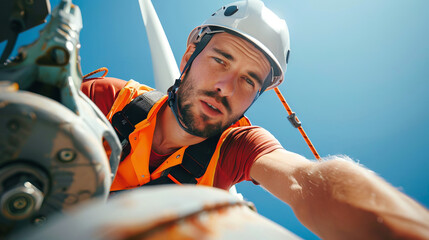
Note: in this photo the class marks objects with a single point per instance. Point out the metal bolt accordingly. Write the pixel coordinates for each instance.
(178, 156)
(66, 155)
(20, 203)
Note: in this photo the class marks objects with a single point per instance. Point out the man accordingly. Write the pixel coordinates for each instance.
(237, 54)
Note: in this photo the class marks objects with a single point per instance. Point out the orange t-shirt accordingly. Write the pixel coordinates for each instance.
(238, 152)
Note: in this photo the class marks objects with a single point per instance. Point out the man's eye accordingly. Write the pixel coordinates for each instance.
(249, 81)
(219, 60)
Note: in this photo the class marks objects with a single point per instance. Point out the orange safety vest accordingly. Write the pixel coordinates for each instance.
(133, 171)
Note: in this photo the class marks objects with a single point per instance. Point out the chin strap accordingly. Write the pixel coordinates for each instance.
(172, 91)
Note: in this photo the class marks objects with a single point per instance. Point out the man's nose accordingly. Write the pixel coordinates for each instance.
(226, 85)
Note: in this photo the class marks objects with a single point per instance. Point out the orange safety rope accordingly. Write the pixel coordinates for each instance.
(97, 71)
(301, 130)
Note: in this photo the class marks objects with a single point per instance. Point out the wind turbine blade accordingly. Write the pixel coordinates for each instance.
(165, 68)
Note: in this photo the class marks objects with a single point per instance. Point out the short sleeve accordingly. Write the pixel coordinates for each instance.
(102, 91)
(239, 151)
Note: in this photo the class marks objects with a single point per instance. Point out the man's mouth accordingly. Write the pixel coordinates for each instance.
(221, 104)
(210, 109)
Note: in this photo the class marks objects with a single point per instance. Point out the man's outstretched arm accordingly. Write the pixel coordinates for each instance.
(338, 199)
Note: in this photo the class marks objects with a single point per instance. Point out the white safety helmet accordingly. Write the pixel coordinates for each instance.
(257, 24)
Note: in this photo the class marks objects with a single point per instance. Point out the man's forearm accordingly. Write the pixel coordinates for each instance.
(338, 199)
(341, 199)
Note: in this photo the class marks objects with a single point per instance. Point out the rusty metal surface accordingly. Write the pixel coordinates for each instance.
(163, 212)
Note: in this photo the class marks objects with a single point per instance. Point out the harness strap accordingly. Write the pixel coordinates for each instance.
(172, 96)
(196, 157)
(134, 112)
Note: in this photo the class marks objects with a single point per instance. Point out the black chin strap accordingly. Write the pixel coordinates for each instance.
(172, 91)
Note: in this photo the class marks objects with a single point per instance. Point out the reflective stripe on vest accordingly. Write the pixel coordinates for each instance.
(133, 171)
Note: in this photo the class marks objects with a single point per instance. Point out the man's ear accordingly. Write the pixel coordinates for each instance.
(188, 53)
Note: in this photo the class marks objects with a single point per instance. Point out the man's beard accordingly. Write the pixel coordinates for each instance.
(185, 92)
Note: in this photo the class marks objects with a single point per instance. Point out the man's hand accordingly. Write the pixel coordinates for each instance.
(338, 199)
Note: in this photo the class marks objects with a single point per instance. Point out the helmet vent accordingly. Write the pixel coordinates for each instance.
(230, 10)
(287, 56)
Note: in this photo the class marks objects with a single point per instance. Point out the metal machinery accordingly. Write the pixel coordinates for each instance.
(51, 134)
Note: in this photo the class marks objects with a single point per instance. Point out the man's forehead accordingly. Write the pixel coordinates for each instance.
(235, 40)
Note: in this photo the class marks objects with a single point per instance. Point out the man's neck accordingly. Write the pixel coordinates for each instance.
(169, 136)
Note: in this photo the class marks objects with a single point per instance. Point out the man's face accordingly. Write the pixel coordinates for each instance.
(221, 84)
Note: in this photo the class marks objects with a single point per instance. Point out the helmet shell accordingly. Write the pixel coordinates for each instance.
(257, 24)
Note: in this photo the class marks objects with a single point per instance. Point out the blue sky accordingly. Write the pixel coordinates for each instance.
(357, 78)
